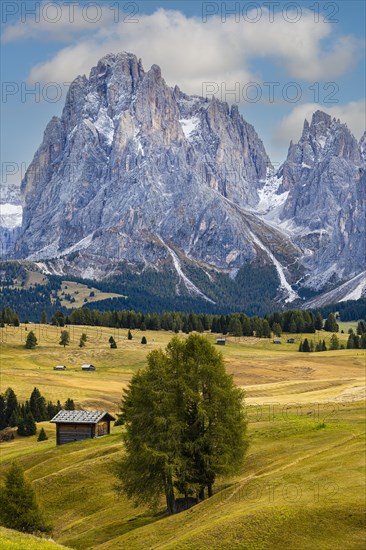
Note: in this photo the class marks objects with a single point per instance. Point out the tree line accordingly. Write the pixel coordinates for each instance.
(24, 416)
(295, 321)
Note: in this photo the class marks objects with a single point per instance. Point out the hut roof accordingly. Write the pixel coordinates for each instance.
(81, 417)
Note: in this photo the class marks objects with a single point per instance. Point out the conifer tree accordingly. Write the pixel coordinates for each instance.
(334, 342)
(65, 338)
(31, 341)
(18, 506)
(143, 340)
(330, 324)
(69, 404)
(42, 435)
(318, 323)
(11, 405)
(38, 406)
(2, 412)
(129, 335)
(277, 329)
(27, 425)
(305, 346)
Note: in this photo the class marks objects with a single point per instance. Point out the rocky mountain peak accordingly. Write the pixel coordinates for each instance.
(138, 173)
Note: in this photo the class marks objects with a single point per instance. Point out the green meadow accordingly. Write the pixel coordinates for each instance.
(300, 487)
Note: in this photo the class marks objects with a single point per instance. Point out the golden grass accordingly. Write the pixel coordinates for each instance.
(300, 487)
(81, 293)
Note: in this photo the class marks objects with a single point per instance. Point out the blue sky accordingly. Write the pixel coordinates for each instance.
(308, 54)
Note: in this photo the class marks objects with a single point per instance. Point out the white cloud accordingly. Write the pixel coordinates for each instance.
(290, 127)
(191, 52)
(56, 22)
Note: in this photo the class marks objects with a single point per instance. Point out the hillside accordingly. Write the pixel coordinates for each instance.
(302, 480)
(13, 540)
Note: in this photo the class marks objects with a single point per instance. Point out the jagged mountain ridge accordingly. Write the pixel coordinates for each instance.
(138, 172)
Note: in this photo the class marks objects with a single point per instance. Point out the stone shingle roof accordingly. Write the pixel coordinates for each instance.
(81, 417)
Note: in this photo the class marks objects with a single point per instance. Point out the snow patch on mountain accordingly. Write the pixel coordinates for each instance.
(10, 215)
(291, 294)
(189, 126)
(354, 289)
(191, 287)
(80, 245)
(105, 125)
(270, 200)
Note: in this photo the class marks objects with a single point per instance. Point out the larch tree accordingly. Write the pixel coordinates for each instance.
(184, 425)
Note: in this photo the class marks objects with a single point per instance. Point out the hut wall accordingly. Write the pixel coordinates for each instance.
(67, 433)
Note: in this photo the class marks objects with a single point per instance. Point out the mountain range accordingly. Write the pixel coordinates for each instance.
(138, 180)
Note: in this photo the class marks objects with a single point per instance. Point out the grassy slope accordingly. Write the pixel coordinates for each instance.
(301, 486)
(81, 292)
(12, 540)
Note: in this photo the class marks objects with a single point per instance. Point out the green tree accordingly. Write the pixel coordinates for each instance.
(112, 342)
(3, 423)
(58, 319)
(81, 342)
(277, 329)
(27, 425)
(334, 342)
(306, 346)
(292, 327)
(143, 340)
(44, 319)
(38, 406)
(235, 326)
(11, 405)
(184, 424)
(266, 329)
(361, 328)
(330, 324)
(42, 435)
(129, 335)
(15, 418)
(363, 341)
(18, 506)
(69, 404)
(65, 338)
(318, 323)
(31, 341)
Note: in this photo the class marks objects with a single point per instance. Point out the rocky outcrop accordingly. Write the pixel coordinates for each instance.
(324, 175)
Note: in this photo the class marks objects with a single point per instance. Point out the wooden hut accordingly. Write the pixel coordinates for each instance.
(59, 367)
(221, 341)
(88, 367)
(78, 425)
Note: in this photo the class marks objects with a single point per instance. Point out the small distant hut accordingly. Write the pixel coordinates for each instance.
(277, 341)
(221, 341)
(59, 367)
(78, 425)
(290, 340)
(88, 367)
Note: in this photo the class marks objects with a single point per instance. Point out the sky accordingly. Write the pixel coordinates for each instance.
(278, 61)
